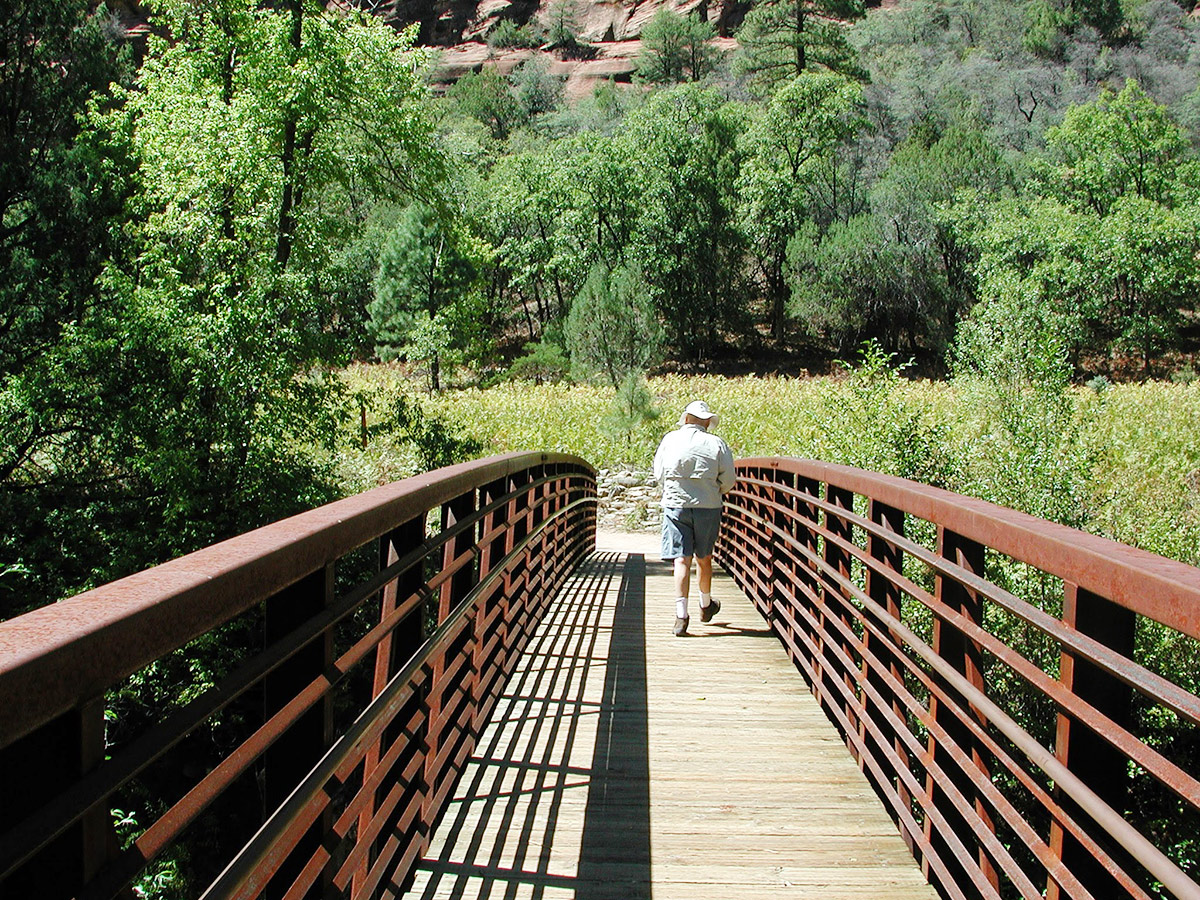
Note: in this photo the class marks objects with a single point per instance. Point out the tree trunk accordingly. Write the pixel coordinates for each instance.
(528, 317)
(286, 224)
(801, 55)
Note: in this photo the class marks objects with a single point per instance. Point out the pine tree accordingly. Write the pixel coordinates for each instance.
(675, 49)
(783, 38)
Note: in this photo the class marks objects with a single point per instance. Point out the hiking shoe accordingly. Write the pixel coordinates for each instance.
(707, 612)
(680, 628)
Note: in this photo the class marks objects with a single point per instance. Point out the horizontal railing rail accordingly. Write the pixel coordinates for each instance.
(1021, 695)
(342, 664)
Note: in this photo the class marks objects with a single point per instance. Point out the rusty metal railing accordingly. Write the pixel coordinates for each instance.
(992, 673)
(364, 642)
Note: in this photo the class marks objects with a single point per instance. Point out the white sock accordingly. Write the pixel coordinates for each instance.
(705, 599)
(681, 608)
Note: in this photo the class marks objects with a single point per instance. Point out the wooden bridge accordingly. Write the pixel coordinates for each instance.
(445, 689)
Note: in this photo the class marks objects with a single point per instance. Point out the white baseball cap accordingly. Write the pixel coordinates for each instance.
(700, 410)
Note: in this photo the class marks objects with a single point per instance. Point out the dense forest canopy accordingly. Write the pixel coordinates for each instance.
(199, 233)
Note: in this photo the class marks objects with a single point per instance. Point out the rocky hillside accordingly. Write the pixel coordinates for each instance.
(608, 31)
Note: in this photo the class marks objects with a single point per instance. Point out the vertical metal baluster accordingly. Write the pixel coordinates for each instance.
(966, 657)
(833, 605)
(1097, 763)
(882, 591)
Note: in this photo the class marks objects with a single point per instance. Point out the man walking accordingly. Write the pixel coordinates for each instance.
(694, 468)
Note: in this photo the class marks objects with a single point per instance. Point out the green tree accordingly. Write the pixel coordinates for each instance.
(543, 361)
(612, 330)
(508, 35)
(1120, 281)
(675, 48)
(486, 95)
(683, 226)
(1051, 23)
(856, 282)
(632, 409)
(1118, 145)
(537, 89)
(62, 195)
(177, 410)
(1107, 242)
(784, 38)
(531, 208)
(603, 200)
(425, 271)
(1106, 16)
(1150, 264)
(901, 272)
(58, 201)
(562, 26)
(804, 122)
(262, 136)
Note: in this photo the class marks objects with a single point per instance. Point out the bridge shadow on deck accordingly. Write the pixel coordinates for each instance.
(556, 800)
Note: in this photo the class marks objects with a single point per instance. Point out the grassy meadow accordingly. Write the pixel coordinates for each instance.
(1122, 461)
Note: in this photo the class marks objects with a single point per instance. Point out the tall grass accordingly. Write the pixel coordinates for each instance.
(1123, 462)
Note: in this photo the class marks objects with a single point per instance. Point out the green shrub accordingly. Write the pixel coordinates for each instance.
(508, 35)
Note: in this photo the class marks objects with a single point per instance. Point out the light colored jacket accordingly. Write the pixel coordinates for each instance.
(694, 468)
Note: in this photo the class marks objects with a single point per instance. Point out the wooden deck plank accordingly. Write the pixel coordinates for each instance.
(623, 763)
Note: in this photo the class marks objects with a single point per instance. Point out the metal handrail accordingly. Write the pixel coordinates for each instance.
(457, 605)
(825, 553)
(310, 798)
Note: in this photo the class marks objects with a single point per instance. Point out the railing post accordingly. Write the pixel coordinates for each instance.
(834, 604)
(452, 591)
(291, 757)
(1098, 764)
(886, 594)
(965, 656)
(491, 554)
(392, 653)
(550, 544)
(58, 753)
(535, 574)
(759, 508)
(515, 575)
(809, 577)
(460, 583)
(783, 565)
